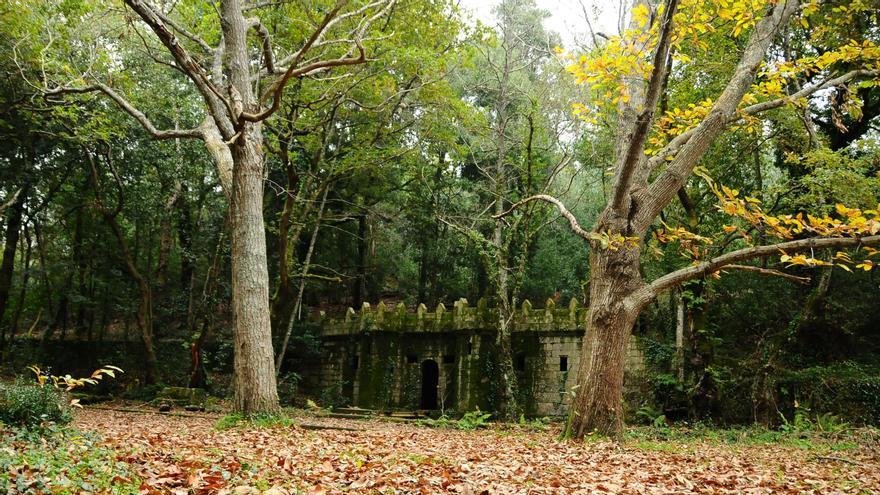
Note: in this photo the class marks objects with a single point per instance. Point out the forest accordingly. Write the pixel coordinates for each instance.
(236, 218)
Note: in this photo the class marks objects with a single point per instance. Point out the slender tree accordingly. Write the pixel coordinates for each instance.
(239, 93)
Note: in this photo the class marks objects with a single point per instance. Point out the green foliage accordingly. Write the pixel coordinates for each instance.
(63, 461)
(237, 420)
(334, 396)
(848, 390)
(29, 405)
(650, 416)
(471, 420)
(536, 424)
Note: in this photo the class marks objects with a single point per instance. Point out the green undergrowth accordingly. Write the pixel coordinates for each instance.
(471, 420)
(672, 438)
(61, 460)
(257, 421)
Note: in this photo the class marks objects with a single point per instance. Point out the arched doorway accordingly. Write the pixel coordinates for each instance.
(430, 382)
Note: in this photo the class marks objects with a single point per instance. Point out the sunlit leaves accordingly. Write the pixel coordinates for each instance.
(68, 383)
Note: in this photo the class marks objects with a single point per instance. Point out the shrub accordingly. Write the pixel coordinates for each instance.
(30, 405)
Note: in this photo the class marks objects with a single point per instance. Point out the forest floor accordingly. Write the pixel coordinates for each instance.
(319, 455)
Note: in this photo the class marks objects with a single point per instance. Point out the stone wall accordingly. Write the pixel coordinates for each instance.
(380, 355)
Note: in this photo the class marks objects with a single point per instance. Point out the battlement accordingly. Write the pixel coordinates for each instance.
(460, 317)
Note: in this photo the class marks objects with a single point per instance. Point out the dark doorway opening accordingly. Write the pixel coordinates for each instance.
(430, 382)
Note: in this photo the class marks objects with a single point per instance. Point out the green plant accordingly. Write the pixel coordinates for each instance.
(470, 421)
(334, 396)
(28, 405)
(537, 424)
(473, 420)
(229, 421)
(799, 423)
(288, 386)
(831, 423)
(651, 416)
(61, 460)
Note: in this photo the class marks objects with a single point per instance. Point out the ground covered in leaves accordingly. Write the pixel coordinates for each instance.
(319, 455)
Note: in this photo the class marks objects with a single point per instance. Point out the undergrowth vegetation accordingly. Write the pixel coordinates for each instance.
(236, 420)
(28, 405)
(61, 460)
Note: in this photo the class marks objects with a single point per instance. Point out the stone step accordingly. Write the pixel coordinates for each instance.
(404, 414)
(348, 416)
(354, 410)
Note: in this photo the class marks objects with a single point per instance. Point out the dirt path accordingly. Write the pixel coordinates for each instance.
(178, 454)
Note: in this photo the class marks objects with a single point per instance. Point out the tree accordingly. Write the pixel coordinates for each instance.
(651, 168)
(239, 93)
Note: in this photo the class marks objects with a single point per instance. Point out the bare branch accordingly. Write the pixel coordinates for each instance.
(278, 87)
(771, 272)
(294, 58)
(131, 110)
(572, 221)
(183, 32)
(705, 268)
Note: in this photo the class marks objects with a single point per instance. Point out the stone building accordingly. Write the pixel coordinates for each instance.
(445, 360)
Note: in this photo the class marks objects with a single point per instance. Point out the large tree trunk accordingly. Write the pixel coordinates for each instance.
(597, 405)
(255, 388)
(254, 381)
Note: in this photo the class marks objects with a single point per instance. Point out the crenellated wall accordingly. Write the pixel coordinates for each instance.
(382, 358)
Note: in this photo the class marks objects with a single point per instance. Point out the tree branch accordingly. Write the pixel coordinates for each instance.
(665, 187)
(705, 268)
(572, 221)
(11, 200)
(808, 90)
(130, 109)
(680, 140)
(212, 95)
(636, 145)
(302, 71)
(771, 272)
(294, 58)
(183, 32)
(266, 39)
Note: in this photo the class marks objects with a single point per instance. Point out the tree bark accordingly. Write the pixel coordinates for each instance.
(597, 405)
(13, 232)
(254, 381)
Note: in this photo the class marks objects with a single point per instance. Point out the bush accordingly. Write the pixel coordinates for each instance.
(29, 405)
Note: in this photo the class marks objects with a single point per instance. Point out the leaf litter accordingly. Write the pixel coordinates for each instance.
(181, 455)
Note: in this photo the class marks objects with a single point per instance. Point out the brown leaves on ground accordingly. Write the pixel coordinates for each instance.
(187, 455)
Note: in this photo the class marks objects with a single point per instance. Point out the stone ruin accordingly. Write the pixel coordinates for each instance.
(391, 359)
